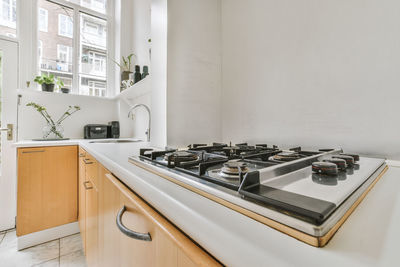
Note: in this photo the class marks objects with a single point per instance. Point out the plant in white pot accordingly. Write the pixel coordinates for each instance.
(53, 128)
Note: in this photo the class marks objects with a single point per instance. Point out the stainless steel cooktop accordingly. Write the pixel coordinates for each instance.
(308, 190)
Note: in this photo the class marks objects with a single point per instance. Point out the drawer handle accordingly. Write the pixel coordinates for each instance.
(34, 151)
(87, 187)
(81, 155)
(87, 161)
(128, 232)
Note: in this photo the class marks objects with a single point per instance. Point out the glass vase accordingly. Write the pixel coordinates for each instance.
(53, 131)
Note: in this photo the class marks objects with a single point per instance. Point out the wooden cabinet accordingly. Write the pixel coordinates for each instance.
(168, 245)
(91, 211)
(123, 230)
(88, 205)
(82, 196)
(47, 188)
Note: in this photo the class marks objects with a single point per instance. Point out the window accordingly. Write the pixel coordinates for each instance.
(65, 25)
(95, 5)
(64, 57)
(8, 18)
(40, 51)
(43, 19)
(83, 71)
(93, 65)
(55, 51)
(64, 53)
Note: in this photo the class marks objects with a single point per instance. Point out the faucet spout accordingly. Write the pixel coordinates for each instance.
(148, 111)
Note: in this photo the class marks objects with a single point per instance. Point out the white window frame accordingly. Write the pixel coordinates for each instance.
(46, 20)
(67, 21)
(112, 75)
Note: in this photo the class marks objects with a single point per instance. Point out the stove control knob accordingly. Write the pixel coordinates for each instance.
(340, 163)
(355, 157)
(327, 168)
(349, 159)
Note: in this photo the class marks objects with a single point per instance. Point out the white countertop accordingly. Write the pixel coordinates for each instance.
(368, 238)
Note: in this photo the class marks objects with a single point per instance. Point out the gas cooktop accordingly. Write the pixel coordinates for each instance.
(308, 190)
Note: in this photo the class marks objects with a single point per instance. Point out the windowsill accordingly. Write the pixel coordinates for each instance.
(32, 91)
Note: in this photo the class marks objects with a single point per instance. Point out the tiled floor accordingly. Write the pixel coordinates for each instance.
(63, 252)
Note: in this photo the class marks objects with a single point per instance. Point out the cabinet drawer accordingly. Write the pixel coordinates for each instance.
(82, 152)
(91, 166)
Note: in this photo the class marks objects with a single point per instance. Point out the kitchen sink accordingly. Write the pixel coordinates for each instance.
(116, 141)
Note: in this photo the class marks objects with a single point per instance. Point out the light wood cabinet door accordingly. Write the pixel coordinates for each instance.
(109, 235)
(47, 188)
(133, 251)
(82, 197)
(92, 214)
(168, 246)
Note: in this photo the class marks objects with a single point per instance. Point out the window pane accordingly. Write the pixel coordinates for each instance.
(43, 19)
(96, 5)
(55, 43)
(8, 18)
(93, 53)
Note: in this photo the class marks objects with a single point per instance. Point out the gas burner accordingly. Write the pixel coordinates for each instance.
(233, 169)
(181, 156)
(286, 156)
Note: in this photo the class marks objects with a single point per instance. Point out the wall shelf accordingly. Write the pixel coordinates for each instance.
(139, 89)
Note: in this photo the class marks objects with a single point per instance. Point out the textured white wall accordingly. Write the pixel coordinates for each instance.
(322, 73)
(194, 71)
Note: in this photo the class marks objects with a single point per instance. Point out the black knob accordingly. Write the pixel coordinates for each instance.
(355, 157)
(349, 160)
(324, 168)
(340, 163)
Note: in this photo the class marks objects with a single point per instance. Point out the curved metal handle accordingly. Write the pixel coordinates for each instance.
(81, 155)
(86, 187)
(128, 232)
(87, 161)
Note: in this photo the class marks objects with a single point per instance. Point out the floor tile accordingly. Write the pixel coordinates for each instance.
(70, 244)
(51, 263)
(11, 257)
(75, 259)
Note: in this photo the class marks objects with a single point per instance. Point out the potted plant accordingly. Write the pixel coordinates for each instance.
(48, 82)
(125, 66)
(53, 128)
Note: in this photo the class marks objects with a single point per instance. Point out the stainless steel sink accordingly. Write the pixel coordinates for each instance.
(115, 141)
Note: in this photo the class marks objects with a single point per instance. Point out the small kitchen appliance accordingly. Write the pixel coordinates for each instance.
(113, 129)
(95, 131)
(305, 193)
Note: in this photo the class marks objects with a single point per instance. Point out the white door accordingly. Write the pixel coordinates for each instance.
(8, 110)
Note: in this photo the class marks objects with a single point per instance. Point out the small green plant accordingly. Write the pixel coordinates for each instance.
(126, 62)
(48, 79)
(53, 125)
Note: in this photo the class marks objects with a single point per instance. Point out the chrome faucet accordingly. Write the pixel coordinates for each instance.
(148, 111)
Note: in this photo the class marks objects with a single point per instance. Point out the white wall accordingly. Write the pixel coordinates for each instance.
(322, 73)
(93, 110)
(141, 31)
(159, 72)
(194, 71)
